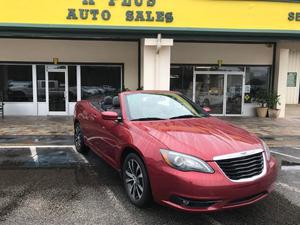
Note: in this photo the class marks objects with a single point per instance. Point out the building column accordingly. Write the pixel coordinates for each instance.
(282, 63)
(156, 63)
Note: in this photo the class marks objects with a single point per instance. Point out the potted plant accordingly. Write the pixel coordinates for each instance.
(261, 99)
(273, 101)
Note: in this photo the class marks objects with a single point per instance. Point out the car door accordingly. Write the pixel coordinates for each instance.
(113, 133)
(110, 136)
(94, 127)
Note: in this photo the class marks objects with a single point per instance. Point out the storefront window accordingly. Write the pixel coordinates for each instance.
(100, 81)
(16, 83)
(182, 80)
(72, 83)
(257, 81)
(41, 83)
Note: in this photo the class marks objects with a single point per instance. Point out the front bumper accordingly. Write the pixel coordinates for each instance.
(199, 192)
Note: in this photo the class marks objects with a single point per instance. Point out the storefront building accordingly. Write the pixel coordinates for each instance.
(218, 53)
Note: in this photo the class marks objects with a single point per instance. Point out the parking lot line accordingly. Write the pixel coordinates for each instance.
(34, 155)
(290, 168)
(294, 189)
(37, 146)
(286, 155)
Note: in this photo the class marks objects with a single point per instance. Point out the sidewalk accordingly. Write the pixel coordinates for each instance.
(59, 130)
(279, 132)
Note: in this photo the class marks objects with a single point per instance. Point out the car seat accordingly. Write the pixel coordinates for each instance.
(116, 105)
(107, 103)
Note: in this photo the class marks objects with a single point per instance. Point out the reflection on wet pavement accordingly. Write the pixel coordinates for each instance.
(38, 157)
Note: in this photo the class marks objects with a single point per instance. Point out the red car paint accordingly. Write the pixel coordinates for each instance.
(203, 138)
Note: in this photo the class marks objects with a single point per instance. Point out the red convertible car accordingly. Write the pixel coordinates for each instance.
(168, 149)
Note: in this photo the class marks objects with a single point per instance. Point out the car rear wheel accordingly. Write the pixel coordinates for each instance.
(136, 180)
(78, 140)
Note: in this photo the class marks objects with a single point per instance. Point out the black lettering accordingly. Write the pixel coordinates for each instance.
(291, 16)
(160, 16)
(106, 15)
(129, 16)
(139, 16)
(151, 3)
(297, 16)
(88, 2)
(169, 17)
(72, 14)
(126, 3)
(112, 3)
(95, 13)
(84, 13)
(138, 2)
(150, 18)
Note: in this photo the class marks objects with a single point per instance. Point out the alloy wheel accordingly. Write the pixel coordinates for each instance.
(134, 179)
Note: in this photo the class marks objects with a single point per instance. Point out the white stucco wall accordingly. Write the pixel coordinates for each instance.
(292, 93)
(210, 53)
(155, 64)
(280, 80)
(31, 50)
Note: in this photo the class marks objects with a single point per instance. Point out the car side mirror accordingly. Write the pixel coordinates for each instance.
(207, 109)
(109, 115)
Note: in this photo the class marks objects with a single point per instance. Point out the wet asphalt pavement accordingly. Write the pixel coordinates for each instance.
(90, 192)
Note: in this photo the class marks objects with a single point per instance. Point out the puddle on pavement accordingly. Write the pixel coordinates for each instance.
(16, 157)
(57, 157)
(37, 140)
(43, 157)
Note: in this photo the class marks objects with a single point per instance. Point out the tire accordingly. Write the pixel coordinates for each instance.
(79, 140)
(136, 181)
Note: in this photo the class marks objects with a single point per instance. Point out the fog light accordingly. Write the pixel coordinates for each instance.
(185, 202)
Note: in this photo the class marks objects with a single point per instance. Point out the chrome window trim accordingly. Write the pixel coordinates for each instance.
(241, 154)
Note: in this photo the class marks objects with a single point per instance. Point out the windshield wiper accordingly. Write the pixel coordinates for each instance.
(184, 116)
(148, 119)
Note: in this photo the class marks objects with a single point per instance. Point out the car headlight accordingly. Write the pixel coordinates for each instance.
(184, 162)
(267, 150)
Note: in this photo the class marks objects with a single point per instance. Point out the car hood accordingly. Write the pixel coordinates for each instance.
(204, 138)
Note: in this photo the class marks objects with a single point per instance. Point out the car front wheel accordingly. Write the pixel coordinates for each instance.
(136, 180)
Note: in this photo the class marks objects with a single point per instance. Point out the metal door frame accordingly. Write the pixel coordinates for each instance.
(57, 68)
(225, 74)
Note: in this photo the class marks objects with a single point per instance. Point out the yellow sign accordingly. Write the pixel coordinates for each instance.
(281, 16)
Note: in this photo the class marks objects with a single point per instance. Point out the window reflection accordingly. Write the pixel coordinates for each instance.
(100, 81)
(41, 83)
(182, 80)
(16, 83)
(72, 83)
(210, 91)
(257, 81)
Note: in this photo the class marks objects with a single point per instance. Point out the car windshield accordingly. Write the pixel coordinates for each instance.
(160, 106)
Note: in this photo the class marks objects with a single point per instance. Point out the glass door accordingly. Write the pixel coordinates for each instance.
(209, 91)
(57, 91)
(234, 94)
(221, 91)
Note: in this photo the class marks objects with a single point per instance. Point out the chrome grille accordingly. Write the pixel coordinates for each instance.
(242, 167)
